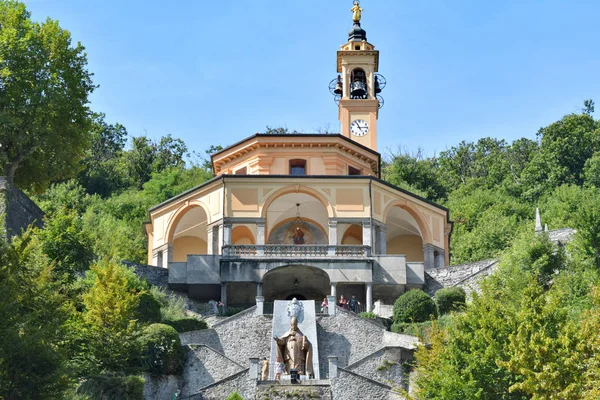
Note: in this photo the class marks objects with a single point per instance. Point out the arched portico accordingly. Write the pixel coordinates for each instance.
(186, 232)
(309, 282)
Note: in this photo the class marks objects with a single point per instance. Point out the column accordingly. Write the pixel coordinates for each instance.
(428, 256)
(334, 289)
(260, 237)
(369, 286)
(167, 256)
(227, 234)
(215, 239)
(333, 367)
(440, 259)
(367, 234)
(224, 294)
(253, 368)
(331, 307)
(332, 237)
(259, 289)
(210, 244)
(382, 239)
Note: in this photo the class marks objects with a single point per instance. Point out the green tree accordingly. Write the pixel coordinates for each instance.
(44, 88)
(104, 171)
(415, 172)
(104, 334)
(33, 312)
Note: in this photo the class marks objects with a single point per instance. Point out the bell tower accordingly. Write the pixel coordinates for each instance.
(357, 86)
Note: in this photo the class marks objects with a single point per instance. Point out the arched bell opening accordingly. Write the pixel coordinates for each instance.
(296, 281)
(403, 235)
(358, 84)
(190, 236)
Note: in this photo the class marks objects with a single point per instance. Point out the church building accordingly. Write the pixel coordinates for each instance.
(304, 215)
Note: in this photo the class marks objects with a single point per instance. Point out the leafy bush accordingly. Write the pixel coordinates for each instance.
(450, 299)
(414, 306)
(368, 315)
(234, 396)
(172, 307)
(148, 309)
(186, 324)
(230, 311)
(161, 351)
(422, 330)
(108, 387)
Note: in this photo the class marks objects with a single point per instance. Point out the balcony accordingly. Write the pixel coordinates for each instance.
(296, 251)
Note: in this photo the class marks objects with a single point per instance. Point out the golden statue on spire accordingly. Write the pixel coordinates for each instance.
(357, 12)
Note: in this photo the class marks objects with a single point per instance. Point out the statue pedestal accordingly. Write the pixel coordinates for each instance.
(307, 324)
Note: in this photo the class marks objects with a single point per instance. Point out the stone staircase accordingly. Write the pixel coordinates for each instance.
(368, 360)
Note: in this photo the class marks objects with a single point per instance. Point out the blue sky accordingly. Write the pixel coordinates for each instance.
(216, 72)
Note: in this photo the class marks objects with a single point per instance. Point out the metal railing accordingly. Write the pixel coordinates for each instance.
(292, 250)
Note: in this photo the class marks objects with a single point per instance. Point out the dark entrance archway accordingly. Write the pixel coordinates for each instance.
(296, 296)
(299, 281)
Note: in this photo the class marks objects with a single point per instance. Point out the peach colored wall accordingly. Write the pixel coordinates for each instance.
(241, 234)
(187, 245)
(410, 246)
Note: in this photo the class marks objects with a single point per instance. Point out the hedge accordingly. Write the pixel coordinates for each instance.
(414, 306)
(450, 299)
(113, 387)
(186, 324)
(161, 352)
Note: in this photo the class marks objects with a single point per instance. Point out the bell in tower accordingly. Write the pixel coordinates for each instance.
(356, 90)
(358, 85)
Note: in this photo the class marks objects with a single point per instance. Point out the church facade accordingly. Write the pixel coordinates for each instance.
(303, 215)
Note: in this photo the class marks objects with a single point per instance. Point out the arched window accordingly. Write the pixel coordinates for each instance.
(297, 167)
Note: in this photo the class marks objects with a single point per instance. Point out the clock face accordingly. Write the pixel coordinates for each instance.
(359, 127)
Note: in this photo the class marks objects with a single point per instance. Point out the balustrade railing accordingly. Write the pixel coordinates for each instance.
(292, 250)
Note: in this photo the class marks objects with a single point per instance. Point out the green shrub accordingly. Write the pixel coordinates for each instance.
(234, 396)
(109, 387)
(414, 306)
(148, 310)
(368, 315)
(186, 324)
(450, 299)
(230, 311)
(160, 349)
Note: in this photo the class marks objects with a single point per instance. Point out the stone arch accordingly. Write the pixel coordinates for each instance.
(353, 235)
(416, 214)
(180, 212)
(187, 232)
(310, 282)
(297, 189)
(241, 234)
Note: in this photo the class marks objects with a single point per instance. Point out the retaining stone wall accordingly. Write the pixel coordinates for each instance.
(464, 275)
(204, 366)
(384, 366)
(17, 210)
(276, 391)
(346, 336)
(351, 386)
(240, 383)
(240, 337)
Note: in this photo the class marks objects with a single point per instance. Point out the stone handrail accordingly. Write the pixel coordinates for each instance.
(293, 250)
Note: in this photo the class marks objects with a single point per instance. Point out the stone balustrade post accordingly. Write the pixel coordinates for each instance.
(333, 367)
(253, 368)
(260, 305)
